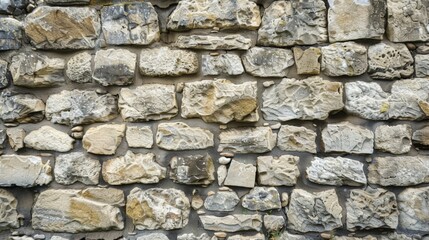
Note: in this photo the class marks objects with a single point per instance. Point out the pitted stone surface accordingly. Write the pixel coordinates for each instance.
(50, 139)
(344, 59)
(222, 201)
(347, 137)
(247, 140)
(180, 136)
(232, 223)
(10, 33)
(139, 136)
(8, 213)
(79, 68)
(114, 67)
(278, 171)
(24, 171)
(293, 138)
(222, 64)
(21, 108)
(76, 167)
(268, 62)
(393, 139)
(192, 170)
(207, 42)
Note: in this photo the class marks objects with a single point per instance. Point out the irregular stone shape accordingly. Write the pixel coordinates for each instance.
(3, 136)
(241, 175)
(273, 223)
(307, 60)
(222, 64)
(114, 67)
(224, 14)
(413, 206)
(344, 59)
(399, 171)
(153, 236)
(308, 99)
(138, 136)
(208, 42)
(393, 139)
(289, 236)
(10, 34)
(15, 7)
(50, 139)
(32, 69)
(103, 139)
(191, 236)
(421, 137)
(75, 210)
(278, 171)
(8, 213)
(158, 208)
(5, 76)
(192, 170)
(67, 2)
(222, 171)
(300, 139)
(135, 23)
(336, 171)
(148, 102)
(232, 223)
(180, 136)
(347, 137)
(133, 168)
(24, 171)
(79, 68)
(220, 101)
(258, 236)
(407, 20)
(80, 107)
(296, 22)
(222, 201)
(247, 140)
(45, 27)
(314, 212)
(16, 138)
(389, 61)
(342, 16)
(21, 108)
(421, 65)
(76, 167)
(371, 208)
(262, 199)
(268, 62)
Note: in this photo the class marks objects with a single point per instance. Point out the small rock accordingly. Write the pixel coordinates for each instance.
(232, 223)
(268, 83)
(180, 86)
(76, 167)
(192, 170)
(220, 234)
(139, 136)
(222, 201)
(276, 126)
(221, 174)
(274, 223)
(180, 136)
(16, 138)
(423, 49)
(268, 62)
(292, 138)
(197, 202)
(285, 199)
(247, 140)
(77, 129)
(224, 160)
(262, 199)
(413, 205)
(307, 60)
(344, 59)
(241, 175)
(393, 139)
(50, 139)
(191, 236)
(114, 67)
(278, 171)
(347, 137)
(79, 68)
(221, 64)
(67, 2)
(153, 236)
(103, 139)
(77, 135)
(207, 42)
(258, 236)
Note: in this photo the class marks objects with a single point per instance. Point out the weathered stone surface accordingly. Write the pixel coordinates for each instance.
(300, 139)
(371, 208)
(32, 69)
(139, 136)
(67, 2)
(76, 167)
(50, 139)
(191, 236)
(153, 236)
(74, 210)
(307, 60)
(258, 236)
(220, 101)
(15, 7)
(289, 236)
(24, 171)
(103, 139)
(221, 172)
(158, 208)
(79, 68)
(268, 62)
(241, 175)
(192, 170)
(5, 77)
(262, 199)
(278, 171)
(421, 65)
(207, 42)
(413, 206)
(287, 23)
(222, 201)
(273, 223)
(314, 212)
(308, 99)
(399, 171)
(180, 136)
(393, 139)
(343, 24)
(10, 33)
(347, 137)
(8, 213)
(21, 108)
(3, 137)
(135, 23)
(232, 223)
(45, 27)
(222, 64)
(421, 137)
(389, 61)
(133, 168)
(114, 67)
(224, 14)
(247, 140)
(16, 138)
(336, 171)
(80, 107)
(344, 59)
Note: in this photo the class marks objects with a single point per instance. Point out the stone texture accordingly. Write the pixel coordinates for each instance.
(258, 236)
(192, 170)
(247, 140)
(67, 2)
(180, 136)
(8, 213)
(336, 171)
(76, 167)
(262, 199)
(278, 171)
(268, 62)
(15, 7)
(393, 139)
(308, 99)
(389, 61)
(45, 27)
(103, 139)
(300, 139)
(221, 172)
(153, 236)
(49, 139)
(158, 208)
(139, 136)
(207, 42)
(10, 33)
(307, 60)
(413, 206)
(399, 171)
(114, 67)
(421, 137)
(24, 171)
(16, 138)
(222, 201)
(5, 77)
(241, 175)
(74, 210)
(21, 108)
(133, 168)
(135, 23)
(148, 102)
(232, 223)
(220, 101)
(80, 107)
(347, 137)
(79, 68)
(287, 23)
(273, 223)
(191, 236)
(222, 64)
(344, 59)
(314, 212)
(421, 65)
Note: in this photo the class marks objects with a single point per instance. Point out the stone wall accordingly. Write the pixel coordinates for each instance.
(222, 119)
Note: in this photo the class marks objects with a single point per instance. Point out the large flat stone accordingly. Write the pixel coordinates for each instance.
(278, 171)
(221, 64)
(413, 206)
(232, 223)
(49, 139)
(192, 170)
(293, 138)
(268, 62)
(241, 175)
(180, 136)
(21, 108)
(24, 171)
(207, 42)
(247, 140)
(103, 139)
(347, 137)
(114, 67)
(10, 33)
(344, 59)
(76, 167)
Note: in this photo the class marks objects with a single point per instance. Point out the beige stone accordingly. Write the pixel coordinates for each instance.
(50, 139)
(103, 139)
(278, 171)
(139, 136)
(307, 60)
(180, 136)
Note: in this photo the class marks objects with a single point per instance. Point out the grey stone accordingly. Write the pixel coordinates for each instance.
(3, 136)
(76, 167)
(180, 136)
(222, 201)
(10, 34)
(16, 138)
(67, 2)
(413, 207)
(192, 170)
(222, 64)
(24, 171)
(15, 7)
(247, 140)
(258, 236)
(114, 67)
(344, 59)
(207, 42)
(191, 236)
(289, 236)
(241, 175)
(307, 60)
(139, 136)
(21, 108)
(103, 139)
(421, 137)
(393, 139)
(421, 65)
(274, 223)
(222, 172)
(262, 199)
(268, 62)
(50, 139)
(79, 68)
(347, 137)
(300, 139)
(278, 171)
(232, 223)
(5, 76)
(153, 236)
(8, 213)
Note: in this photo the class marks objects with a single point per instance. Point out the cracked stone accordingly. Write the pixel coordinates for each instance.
(300, 139)
(222, 64)
(278, 171)
(8, 213)
(347, 137)
(180, 136)
(262, 199)
(21, 108)
(307, 60)
(344, 59)
(421, 65)
(247, 140)
(24, 171)
(50, 139)
(268, 62)
(192, 170)
(76, 167)
(222, 201)
(232, 223)
(240, 175)
(413, 206)
(393, 139)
